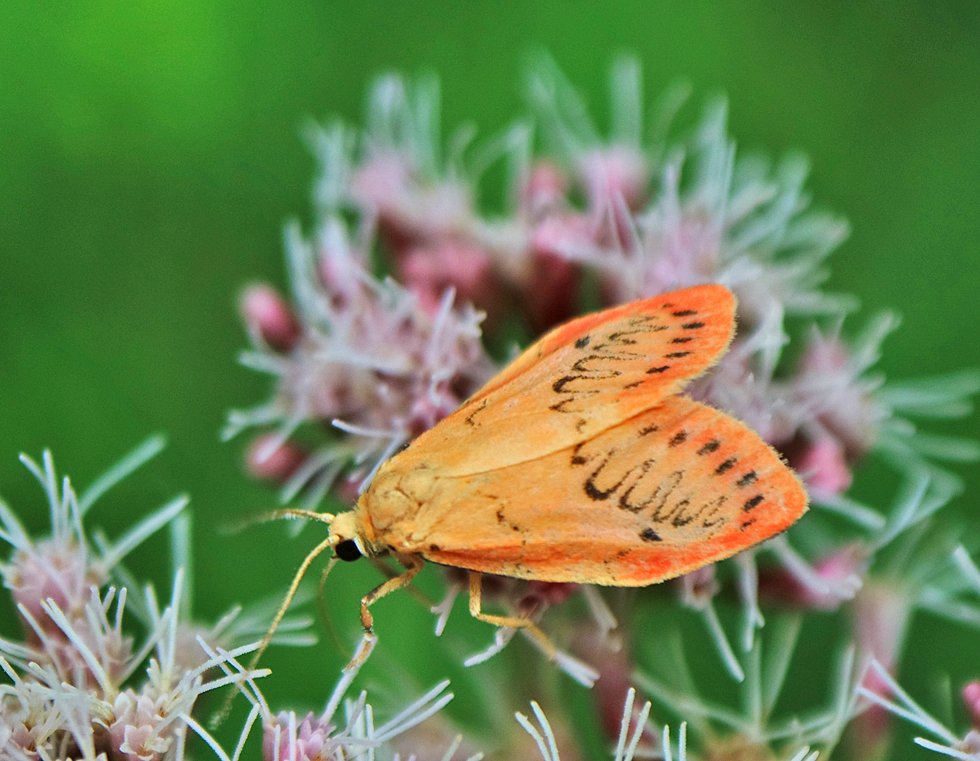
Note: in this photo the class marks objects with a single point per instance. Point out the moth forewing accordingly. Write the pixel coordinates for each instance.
(579, 380)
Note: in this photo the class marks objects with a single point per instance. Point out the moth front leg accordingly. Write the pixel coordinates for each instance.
(413, 564)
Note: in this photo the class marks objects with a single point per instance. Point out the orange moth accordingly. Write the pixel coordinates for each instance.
(579, 462)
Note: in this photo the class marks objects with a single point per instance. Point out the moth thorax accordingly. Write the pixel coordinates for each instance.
(395, 497)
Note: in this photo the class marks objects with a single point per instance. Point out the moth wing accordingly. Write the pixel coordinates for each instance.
(668, 491)
(580, 379)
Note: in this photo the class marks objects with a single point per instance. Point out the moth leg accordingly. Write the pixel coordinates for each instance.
(413, 564)
(388, 572)
(511, 622)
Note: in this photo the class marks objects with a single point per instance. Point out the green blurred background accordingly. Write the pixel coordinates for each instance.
(151, 153)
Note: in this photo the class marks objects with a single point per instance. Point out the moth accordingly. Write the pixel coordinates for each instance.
(582, 462)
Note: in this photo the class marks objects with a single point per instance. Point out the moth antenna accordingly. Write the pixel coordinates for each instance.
(282, 513)
(290, 593)
(294, 512)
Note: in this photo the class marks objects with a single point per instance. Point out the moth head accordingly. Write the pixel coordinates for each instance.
(348, 537)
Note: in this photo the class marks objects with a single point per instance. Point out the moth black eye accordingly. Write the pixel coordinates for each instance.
(347, 550)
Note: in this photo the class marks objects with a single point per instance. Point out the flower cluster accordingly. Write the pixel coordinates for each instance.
(83, 686)
(606, 219)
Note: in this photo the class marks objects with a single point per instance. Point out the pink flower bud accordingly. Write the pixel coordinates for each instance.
(58, 571)
(312, 738)
(824, 467)
(276, 464)
(544, 189)
(618, 171)
(881, 616)
(824, 355)
(428, 270)
(409, 210)
(971, 699)
(267, 314)
(839, 400)
(840, 574)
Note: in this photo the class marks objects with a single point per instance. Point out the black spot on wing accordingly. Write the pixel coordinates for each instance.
(582, 342)
(649, 535)
(679, 438)
(684, 340)
(726, 466)
(677, 354)
(751, 504)
(657, 370)
(747, 479)
(685, 313)
(710, 447)
(692, 325)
